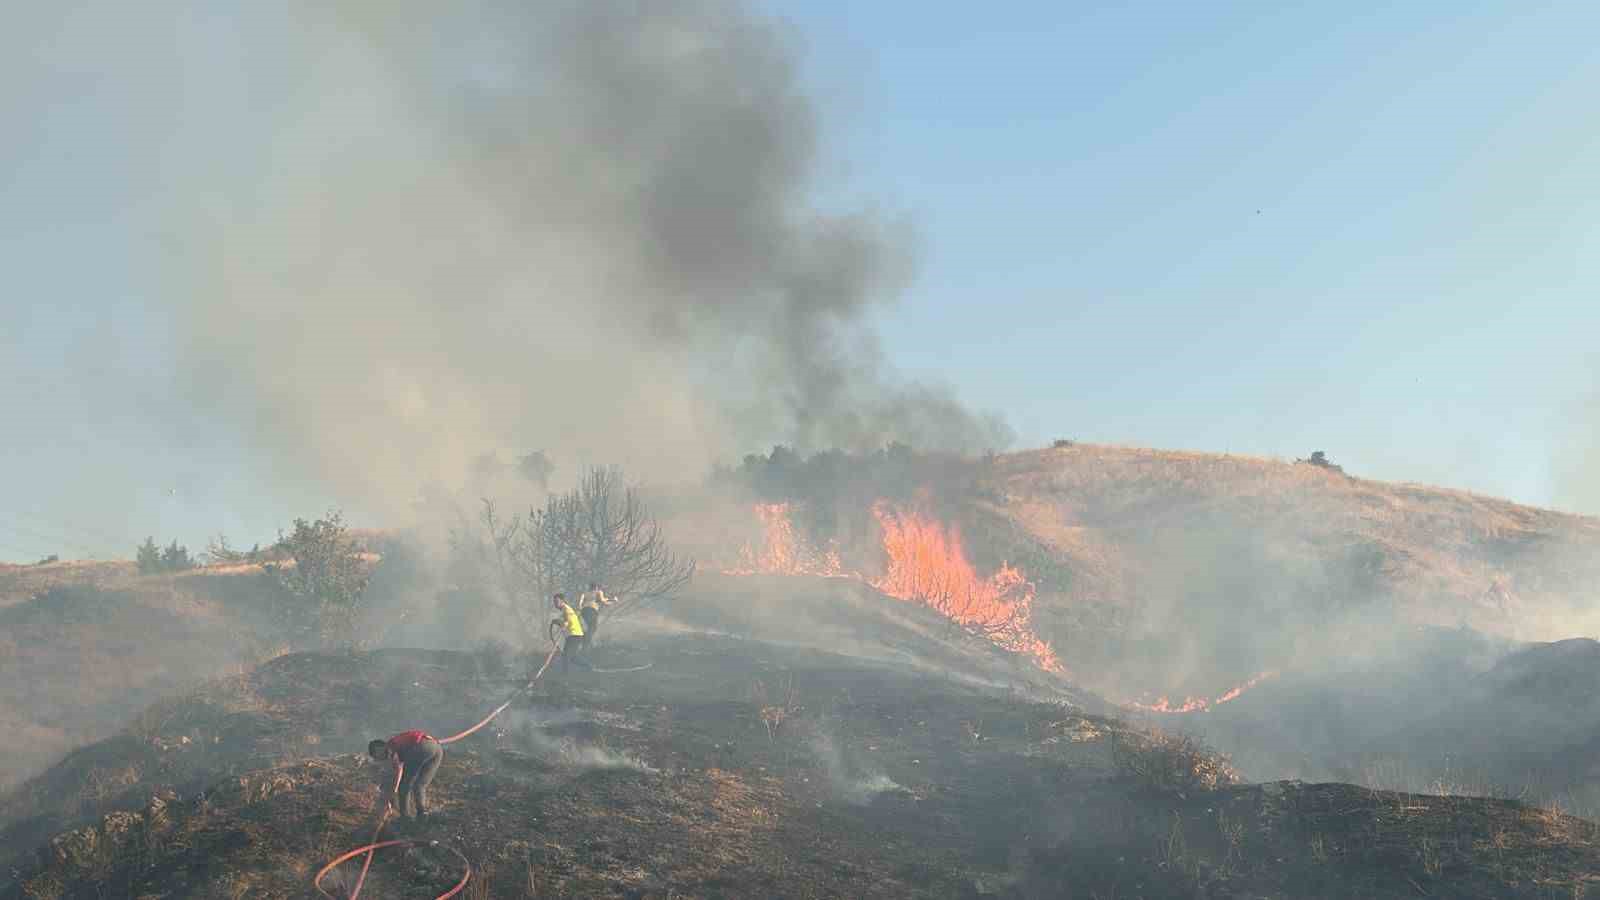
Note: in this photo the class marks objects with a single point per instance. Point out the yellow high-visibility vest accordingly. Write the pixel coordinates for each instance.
(574, 623)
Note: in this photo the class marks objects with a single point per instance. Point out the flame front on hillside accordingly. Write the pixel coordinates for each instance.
(1198, 704)
(926, 564)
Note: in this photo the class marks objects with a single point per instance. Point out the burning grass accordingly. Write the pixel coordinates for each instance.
(782, 551)
(1200, 704)
(928, 565)
(924, 563)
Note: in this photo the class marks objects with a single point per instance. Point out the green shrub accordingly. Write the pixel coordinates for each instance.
(153, 559)
(176, 558)
(327, 581)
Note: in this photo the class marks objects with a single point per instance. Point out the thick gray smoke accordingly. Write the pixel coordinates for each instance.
(583, 227)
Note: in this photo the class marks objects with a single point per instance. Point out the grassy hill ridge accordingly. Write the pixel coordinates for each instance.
(1152, 563)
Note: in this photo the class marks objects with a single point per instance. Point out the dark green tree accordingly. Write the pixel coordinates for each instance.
(325, 578)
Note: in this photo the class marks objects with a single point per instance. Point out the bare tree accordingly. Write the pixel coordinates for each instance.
(601, 531)
(483, 560)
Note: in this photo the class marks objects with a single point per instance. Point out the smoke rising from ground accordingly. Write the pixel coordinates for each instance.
(528, 729)
(856, 784)
(582, 227)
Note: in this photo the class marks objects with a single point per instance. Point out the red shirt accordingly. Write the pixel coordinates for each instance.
(405, 740)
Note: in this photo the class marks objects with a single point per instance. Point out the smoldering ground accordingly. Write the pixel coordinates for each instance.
(392, 238)
(851, 779)
(570, 738)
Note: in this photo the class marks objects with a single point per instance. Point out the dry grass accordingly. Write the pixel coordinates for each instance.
(81, 656)
(774, 713)
(1167, 762)
(1098, 528)
(20, 583)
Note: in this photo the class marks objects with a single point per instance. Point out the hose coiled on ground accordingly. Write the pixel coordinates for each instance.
(375, 845)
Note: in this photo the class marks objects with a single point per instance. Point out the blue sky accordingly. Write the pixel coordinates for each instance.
(1256, 228)
(1260, 228)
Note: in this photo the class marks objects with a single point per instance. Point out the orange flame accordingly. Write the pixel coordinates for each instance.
(1197, 704)
(926, 565)
(1163, 705)
(782, 552)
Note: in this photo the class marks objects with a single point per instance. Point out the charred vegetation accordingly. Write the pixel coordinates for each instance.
(684, 781)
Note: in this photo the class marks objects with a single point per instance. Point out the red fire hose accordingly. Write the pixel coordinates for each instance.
(466, 875)
(370, 848)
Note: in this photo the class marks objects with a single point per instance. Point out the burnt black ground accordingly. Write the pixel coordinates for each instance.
(729, 768)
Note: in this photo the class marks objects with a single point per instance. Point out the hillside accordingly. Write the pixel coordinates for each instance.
(1381, 630)
(1168, 555)
(676, 781)
(1146, 562)
(1184, 574)
(19, 583)
(1445, 557)
(85, 646)
(1532, 720)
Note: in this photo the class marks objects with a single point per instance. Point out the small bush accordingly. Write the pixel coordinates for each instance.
(1321, 461)
(1170, 763)
(1061, 444)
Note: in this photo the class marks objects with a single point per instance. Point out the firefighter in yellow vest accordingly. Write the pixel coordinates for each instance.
(572, 625)
(589, 604)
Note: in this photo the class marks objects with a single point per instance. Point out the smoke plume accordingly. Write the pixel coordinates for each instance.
(424, 231)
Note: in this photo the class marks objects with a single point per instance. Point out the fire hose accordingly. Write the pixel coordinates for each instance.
(466, 874)
(375, 844)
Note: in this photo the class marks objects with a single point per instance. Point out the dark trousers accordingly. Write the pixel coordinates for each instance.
(571, 648)
(420, 763)
(591, 622)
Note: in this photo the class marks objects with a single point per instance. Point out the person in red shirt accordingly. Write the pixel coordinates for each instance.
(418, 754)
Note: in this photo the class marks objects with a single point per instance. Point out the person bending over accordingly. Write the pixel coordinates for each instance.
(418, 755)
